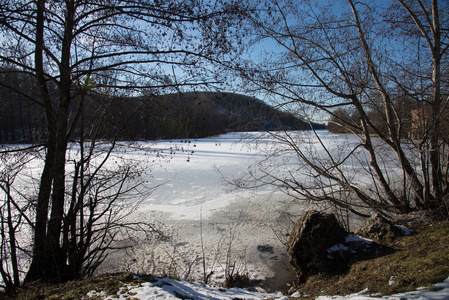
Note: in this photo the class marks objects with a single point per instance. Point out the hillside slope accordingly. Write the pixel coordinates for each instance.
(242, 113)
(181, 115)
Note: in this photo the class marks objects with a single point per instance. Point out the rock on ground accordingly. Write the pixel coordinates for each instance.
(310, 238)
(377, 227)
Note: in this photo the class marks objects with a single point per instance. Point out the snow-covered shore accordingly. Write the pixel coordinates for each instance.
(167, 289)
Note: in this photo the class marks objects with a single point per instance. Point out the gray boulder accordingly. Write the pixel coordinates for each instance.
(311, 237)
(377, 227)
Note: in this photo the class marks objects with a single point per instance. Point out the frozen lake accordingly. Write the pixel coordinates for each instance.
(192, 179)
(215, 228)
(208, 217)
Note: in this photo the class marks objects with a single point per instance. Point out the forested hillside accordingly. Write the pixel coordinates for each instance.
(209, 113)
(186, 115)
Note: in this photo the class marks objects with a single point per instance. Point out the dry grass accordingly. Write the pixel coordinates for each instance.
(110, 284)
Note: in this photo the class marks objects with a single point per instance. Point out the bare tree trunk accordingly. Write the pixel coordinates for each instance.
(59, 257)
(436, 105)
(433, 41)
(39, 266)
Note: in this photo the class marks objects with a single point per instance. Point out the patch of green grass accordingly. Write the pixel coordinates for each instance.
(420, 260)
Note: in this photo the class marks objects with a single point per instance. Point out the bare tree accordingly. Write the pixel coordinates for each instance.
(357, 64)
(73, 49)
(13, 218)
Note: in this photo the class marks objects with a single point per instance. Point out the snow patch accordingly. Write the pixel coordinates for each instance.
(405, 230)
(436, 292)
(166, 288)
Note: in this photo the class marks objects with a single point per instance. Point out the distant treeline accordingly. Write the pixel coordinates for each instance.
(98, 115)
